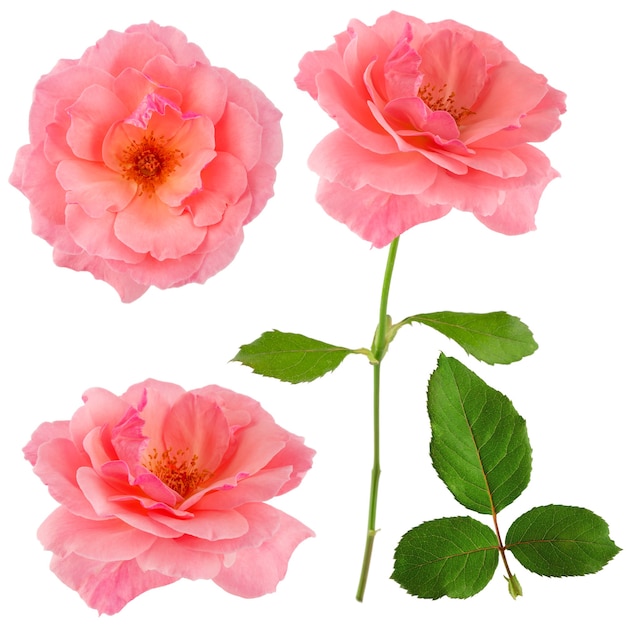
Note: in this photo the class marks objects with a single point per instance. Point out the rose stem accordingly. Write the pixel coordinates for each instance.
(379, 348)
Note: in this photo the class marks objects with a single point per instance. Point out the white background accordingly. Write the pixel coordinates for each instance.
(300, 271)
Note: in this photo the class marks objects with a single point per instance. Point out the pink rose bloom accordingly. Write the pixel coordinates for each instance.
(160, 484)
(431, 116)
(145, 162)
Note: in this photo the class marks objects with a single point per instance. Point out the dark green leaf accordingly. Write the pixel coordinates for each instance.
(290, 357)
(453, 557)
(558, 540)
(491, 337)
(479, 444)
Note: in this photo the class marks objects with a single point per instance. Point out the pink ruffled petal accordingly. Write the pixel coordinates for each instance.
(35, 177)
(262, 486)
(195, 141)
(207, 525)
(339, 159)
(263, 523)
(296, 456)
(474, 192)
(536, 125)
(353, 115)
(374, 215)
(181, 50)
(96, 235)
(97, 445)
(389, 26)
(257, 571)
(257, 444)
(500, 163)
(364, 49)
(403, 71)
(224, 181)
(132, 86)
(147, 225)
(117, 51)
(239, 134)
(57, 463)
(99, 540)
(106, 587)
(313, 64)
(65, 84)
(55, 145)
(101, 407)
(512, 89)
(127, 288)
(154, 399)
(44, 433)
(452, 62)
(413, 113)
(516, 214)
(94, 187)
(92, 114)
(173, 559)
(197, 426)
(221, 255)
(156, 491)
(162, 273)
(195, 82)
(101, 496)
(128, 439)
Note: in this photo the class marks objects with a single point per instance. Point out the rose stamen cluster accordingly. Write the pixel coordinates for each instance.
(443, 100)
(174, 470)
(150, 162)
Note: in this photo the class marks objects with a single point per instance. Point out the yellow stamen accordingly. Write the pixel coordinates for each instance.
(437, 100)
(149, 162)
(173, 469)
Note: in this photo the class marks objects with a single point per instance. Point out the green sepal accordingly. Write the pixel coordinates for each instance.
(515, 589)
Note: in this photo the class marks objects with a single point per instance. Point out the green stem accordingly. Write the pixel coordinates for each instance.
(379, 348)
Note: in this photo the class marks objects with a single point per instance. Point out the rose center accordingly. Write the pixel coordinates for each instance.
(177, 470)
(149, 162)
(442, 99)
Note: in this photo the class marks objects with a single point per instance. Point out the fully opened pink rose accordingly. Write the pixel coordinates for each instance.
(160, 484)
(431, 117)
(145, 161)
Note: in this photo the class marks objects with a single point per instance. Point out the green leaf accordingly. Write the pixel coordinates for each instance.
(490, 337)
(479, 444)
(558, 540)
(454, 556)
(290, 357)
